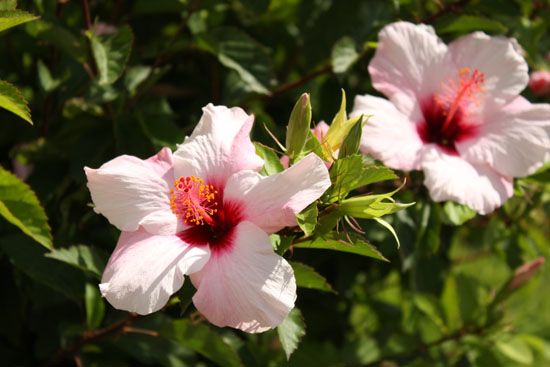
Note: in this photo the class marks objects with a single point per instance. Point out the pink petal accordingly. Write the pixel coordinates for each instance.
(504, 69)
(249, 288)
(131, 192)
(388, 134)
(450, 177)
(219, 146)
(515, 140)
(409, 63)
(272, 202)
(145, 270)
(320, 130)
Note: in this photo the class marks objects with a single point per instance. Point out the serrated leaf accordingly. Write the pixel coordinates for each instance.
(20, 206)
(238, 51)
(111, 52)
(351, 172)
(291, 331)
(344, 55)
(307, 277)
(87, 258)
(203, 340)
(272, 163)
(12, 100)
(12, 18)
(351, 243)
(307, 219)
(95, 307)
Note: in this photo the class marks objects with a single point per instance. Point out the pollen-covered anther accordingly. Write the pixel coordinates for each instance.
(193, 201)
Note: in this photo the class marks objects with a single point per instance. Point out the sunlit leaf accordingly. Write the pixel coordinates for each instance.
(307, 277)
(340, 242)
(12, 100)
(20, 206)
(344, 55)
(291, 331)
(12, 18)
(88, 258)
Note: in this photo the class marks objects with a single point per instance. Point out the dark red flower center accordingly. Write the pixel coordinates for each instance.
(201, 206)
(449, 115)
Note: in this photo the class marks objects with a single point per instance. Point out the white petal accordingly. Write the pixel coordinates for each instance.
(129, 191)
(409, 63)
(272, 202)
(450, 177)
(249, 287)
(515, 141)
(504, 69)
(388, 134)
(219, 146)
(145, 270)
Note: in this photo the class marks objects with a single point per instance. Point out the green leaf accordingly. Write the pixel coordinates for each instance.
(87, 258)
(307, 277)
(339, 128)
(291, 331)
(280, 243)
(351, 143)
(203, 340)
(344, 55)
(47, 81)
(456, 214)
(238, 51)
(272, 163)
(429, 305)
(8, 4)
(30, 259)
(351, 243)
(307, 219)
(470, 23)
(20, 206)
(111, 52)
(12, 100)
(352, 172)
(298, 127)
(462, 300)
(95, 308)
(515, 349)
(12, 18)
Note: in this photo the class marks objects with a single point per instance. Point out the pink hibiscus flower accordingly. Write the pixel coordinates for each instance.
(455, 113)
(206, 212)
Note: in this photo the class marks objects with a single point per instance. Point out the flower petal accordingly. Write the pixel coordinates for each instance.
(145, 270)
(504, 69)
(515, 140)
(409, 63)
(272, 202)
(219, 146)
(388, 134)
(249, 288)
(129, 192)
(449, 177)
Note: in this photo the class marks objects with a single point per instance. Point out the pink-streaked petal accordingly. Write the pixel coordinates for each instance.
(130, 192)
(272, 202)
(449, 177)
(515, 140)
(249, 287)
(388, 134)
(219, 146)
(409, 63)
(503, 67)
(145, 270)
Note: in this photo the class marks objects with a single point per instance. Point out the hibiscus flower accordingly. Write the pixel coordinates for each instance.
(455, 113)
(204, 211)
